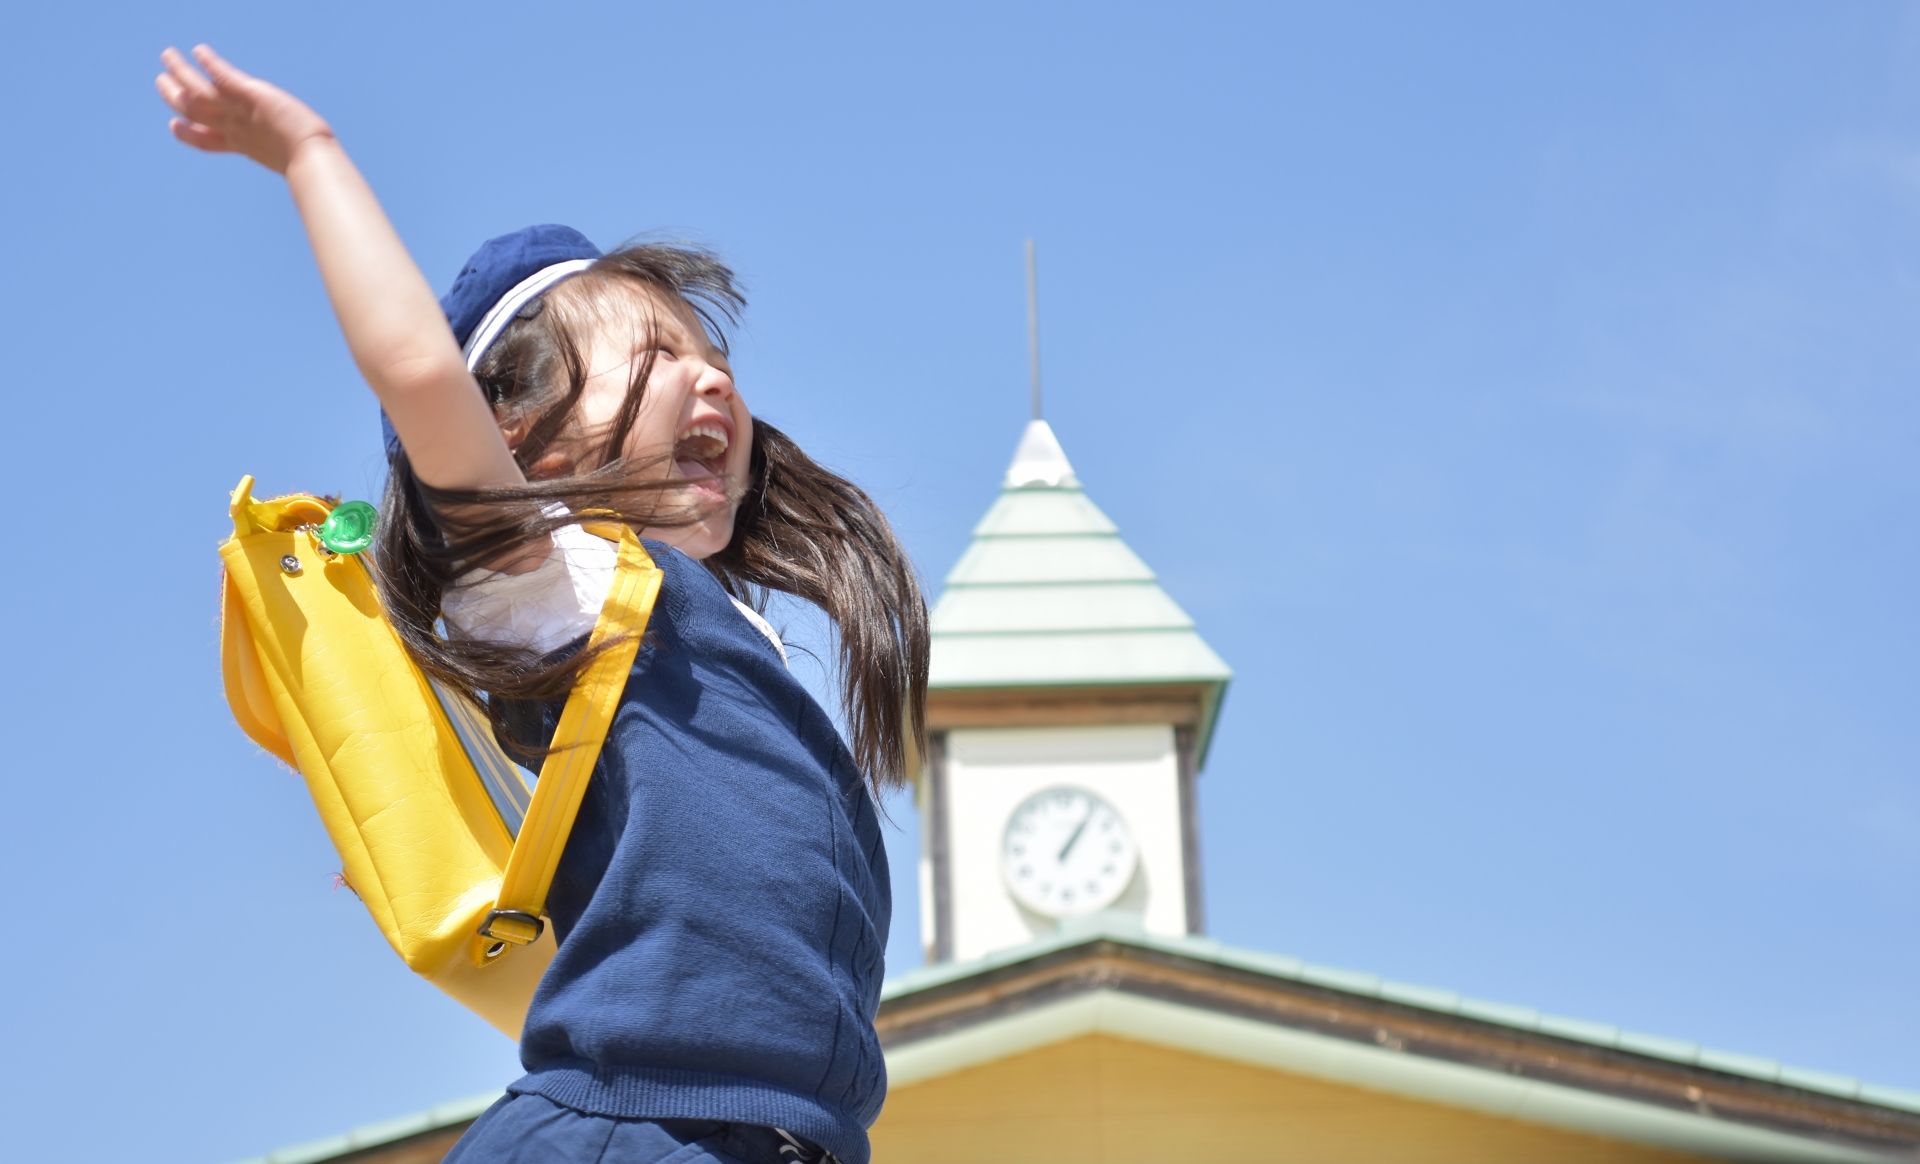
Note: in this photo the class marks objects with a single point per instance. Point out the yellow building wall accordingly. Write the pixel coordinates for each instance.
(1102, 1100)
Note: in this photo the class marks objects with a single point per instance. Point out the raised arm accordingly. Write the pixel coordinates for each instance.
(393, 325)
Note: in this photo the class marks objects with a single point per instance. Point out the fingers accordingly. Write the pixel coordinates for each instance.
(222, 109)
(224, 75)
(170, 91)
(205, 102)
(200, 137)
(173, 93)
(190, 80)
(185, 91)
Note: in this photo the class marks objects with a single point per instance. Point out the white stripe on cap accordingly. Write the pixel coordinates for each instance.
(501, 314)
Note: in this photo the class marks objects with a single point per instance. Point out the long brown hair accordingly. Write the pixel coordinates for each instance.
(800, 528)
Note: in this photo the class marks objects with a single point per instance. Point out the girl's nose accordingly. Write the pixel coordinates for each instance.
(713, 384)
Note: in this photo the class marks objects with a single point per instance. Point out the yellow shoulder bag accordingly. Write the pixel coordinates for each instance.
(436, 829)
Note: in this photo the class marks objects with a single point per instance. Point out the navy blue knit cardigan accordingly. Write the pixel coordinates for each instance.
(722, 904)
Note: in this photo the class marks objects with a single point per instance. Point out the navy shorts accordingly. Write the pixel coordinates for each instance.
(532, 1129)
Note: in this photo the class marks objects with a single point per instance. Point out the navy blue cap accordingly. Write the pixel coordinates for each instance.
(503, 263)
(499, 267)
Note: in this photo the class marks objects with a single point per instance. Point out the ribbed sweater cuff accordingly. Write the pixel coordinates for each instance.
(654, 1094)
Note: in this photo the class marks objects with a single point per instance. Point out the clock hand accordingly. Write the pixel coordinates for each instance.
(1077, 830)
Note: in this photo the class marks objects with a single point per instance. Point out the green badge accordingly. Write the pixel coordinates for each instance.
(349, 528)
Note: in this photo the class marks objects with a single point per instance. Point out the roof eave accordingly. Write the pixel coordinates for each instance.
(1212, 691)
(1357, 1028)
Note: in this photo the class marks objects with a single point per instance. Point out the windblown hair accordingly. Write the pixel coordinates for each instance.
(800, 528)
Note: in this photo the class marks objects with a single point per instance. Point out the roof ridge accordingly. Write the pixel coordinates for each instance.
(1128, 931)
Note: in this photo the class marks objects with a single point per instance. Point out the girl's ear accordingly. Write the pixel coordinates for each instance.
(552, 463)
(551, 466)
(515, 431)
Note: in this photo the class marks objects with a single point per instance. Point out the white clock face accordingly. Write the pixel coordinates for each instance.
(1067, 853)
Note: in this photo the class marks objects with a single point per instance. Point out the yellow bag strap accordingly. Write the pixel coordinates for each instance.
(516, 916)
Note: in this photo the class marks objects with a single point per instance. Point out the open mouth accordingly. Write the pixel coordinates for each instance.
(701, 451)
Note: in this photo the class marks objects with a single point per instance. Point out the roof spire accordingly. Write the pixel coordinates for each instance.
(1049, 596)
(1033, 328)
(1040, 461)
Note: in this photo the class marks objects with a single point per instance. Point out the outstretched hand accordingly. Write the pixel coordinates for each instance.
(226, 111)
(387, 311)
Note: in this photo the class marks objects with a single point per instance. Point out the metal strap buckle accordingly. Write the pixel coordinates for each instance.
(512, 932)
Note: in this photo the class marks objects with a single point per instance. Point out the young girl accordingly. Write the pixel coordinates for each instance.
(722, 905)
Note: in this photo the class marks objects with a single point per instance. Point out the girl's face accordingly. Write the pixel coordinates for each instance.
(691, 426)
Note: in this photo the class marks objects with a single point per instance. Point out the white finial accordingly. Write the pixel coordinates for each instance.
(1040, 461)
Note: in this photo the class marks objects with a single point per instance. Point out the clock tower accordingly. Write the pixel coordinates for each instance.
(1070, 705)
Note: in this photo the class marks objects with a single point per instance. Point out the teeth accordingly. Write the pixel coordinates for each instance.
(712, 432)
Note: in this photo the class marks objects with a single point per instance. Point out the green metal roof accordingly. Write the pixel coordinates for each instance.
(1048, 595)
(379, 1135)
(1126, 929)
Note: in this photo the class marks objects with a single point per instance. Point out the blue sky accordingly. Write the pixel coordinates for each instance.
(1521, 398)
